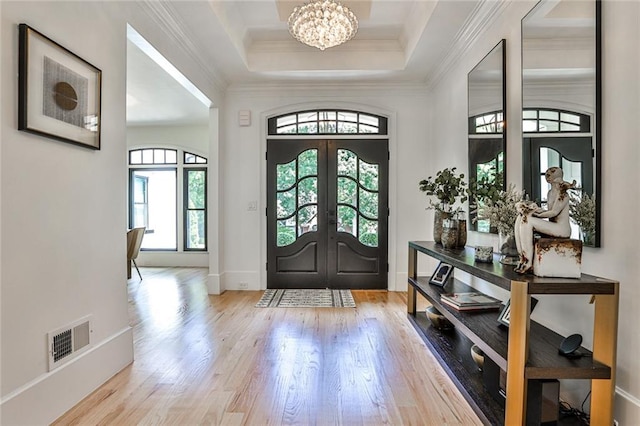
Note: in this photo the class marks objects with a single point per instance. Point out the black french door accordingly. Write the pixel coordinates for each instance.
(327, 213)
(574, 154)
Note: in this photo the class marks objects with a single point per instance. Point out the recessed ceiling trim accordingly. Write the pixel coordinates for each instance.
(416, 24)
(302, 88)
(263, 60)
(353, 47)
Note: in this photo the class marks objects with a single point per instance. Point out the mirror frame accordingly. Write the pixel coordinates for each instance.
(596, 117)
(473, 149)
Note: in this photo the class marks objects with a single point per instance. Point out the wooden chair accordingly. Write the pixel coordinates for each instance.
(134, 241)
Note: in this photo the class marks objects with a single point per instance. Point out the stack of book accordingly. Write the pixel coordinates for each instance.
(470, 301)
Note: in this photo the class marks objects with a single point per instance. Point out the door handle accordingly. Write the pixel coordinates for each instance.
(332, 222)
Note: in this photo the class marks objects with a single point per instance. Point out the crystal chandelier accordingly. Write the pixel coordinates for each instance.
(322, 24)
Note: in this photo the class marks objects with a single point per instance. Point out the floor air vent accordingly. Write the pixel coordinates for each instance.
(67, 342)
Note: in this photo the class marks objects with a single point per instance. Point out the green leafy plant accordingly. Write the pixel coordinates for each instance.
(582, 210)
(447, 187)
(486, 187)
(500, 209)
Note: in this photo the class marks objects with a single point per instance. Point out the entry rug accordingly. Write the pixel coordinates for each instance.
(307, 298)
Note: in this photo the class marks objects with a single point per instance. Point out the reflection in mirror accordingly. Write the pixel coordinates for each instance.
(561, 104)
(487, 118)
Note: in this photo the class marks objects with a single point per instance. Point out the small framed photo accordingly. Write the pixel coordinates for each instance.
(505, 314)
(58, 92)
(441, 274)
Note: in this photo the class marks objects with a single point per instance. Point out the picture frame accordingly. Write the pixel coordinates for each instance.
(505, 313)
(441, 274)
(59, 93)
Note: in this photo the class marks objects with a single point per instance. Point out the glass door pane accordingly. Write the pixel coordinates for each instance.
(357, 197)
(161, 232)
(297, 197)
(195, 218)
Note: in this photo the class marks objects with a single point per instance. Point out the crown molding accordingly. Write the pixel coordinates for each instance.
(407, 89)
(483, 16)
(165, 16)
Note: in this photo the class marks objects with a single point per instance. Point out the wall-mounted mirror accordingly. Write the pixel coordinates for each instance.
(561, 104)
(487, 118)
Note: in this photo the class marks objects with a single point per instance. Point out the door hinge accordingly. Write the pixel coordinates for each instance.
(388, 212)
(387, 267)
(266, 155)
(266, 266)
(388, 155)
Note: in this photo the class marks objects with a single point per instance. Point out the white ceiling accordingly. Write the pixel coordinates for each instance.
(244, 42)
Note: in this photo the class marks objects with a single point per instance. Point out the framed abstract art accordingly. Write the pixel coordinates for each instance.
(59, 92)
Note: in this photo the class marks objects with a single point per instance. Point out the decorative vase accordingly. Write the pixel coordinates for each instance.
(478, 356)
(462, 230)
(507, 248)
(449, 236)
(438, 320)
(437, 225)
(484, 254)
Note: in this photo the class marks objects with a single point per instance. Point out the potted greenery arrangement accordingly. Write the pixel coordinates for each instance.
(447, 187)
(500, 210)
(582, 210)
(482, 189)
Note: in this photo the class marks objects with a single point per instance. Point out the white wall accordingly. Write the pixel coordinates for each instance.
(194, 139)
(618, 257)
(244, 173)
(63, 217)
(63, 227)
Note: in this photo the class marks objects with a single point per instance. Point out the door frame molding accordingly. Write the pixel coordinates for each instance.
(393, 168)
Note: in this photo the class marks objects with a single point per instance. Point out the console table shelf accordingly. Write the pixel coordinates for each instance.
(452, 350)
(526, 350)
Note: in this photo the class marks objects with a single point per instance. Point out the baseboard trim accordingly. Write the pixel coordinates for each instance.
(627, 408)
(241, 280)
(44, 399)
(173, 259)
(214, 284)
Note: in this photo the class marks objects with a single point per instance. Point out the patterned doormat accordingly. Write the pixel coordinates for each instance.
(307, 298)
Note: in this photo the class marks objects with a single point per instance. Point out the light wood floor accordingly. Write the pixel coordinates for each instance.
(203, 359)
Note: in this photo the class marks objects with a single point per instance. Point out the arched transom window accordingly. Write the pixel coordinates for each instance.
(554, 121)
(487, 123)
(328, 122)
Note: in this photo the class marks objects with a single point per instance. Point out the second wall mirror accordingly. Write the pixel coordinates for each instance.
(561, 104)
(487, 118)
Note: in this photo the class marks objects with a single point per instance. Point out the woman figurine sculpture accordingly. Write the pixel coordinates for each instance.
(554, 221)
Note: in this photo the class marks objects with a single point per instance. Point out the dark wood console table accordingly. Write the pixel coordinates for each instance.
(526, 350)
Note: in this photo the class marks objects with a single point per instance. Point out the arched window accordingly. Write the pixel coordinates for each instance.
(153, 156)
(328, 122)
(487, 123)
(190, 158)
(159, 181)
(536, 120)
